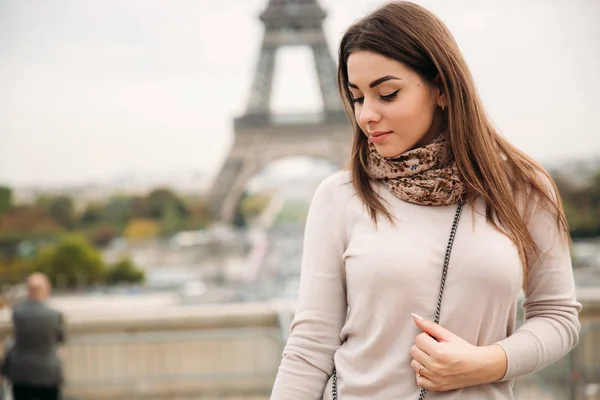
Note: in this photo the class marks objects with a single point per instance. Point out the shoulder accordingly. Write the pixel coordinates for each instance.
(541, 208)
(18, 304)
(21, 306)
(332, 195)
(334, 191)
(51, 310)
(338, 184)
(541, 191)
(338, 179)
(533, 187)
(326, 217)
(22, 310)
(56, 312)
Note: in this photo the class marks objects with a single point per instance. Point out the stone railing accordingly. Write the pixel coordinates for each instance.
(220, 352)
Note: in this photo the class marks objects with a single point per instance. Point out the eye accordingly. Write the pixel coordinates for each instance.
(389, 97)
(358, 100)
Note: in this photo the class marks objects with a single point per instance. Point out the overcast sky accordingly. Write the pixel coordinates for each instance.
(93, 89)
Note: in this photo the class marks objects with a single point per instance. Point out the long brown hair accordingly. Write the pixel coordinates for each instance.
(488, 165)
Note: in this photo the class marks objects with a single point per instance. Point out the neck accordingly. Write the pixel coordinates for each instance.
(433, 132)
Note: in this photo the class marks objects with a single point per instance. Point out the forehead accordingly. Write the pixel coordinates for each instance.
(366, 66)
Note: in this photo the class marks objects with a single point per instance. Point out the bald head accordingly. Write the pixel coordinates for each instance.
(38, 286)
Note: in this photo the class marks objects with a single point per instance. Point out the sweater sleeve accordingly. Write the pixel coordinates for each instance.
(321, 307)
(551, 312)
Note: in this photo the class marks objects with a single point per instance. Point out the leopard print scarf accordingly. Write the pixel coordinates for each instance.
(418, 176)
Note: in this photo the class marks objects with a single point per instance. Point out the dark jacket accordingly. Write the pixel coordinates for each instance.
(38, 330)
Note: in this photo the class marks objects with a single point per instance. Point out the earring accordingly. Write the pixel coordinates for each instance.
(442, 105)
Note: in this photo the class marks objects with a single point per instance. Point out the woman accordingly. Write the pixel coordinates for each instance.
(377, 236)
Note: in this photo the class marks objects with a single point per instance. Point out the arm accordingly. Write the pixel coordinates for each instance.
(60, 333)
(551, 327)
(321, 306)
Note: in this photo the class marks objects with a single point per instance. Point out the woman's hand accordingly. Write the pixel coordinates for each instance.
(443, 361)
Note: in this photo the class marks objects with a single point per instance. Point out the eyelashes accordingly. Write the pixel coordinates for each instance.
(389, 97)
(385, 98)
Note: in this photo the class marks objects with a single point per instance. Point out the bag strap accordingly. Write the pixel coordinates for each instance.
(438, 307)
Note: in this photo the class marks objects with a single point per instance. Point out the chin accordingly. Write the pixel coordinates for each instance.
(390, 151)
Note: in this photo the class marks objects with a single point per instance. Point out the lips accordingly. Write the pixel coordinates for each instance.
(378, 136)
(378, 133)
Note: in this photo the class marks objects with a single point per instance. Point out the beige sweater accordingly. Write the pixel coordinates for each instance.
(359, 286)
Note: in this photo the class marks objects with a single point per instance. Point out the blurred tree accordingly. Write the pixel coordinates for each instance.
(101, 235)
(239, 220)
(27, 221)
(254, 205)
(594, 190)
(15, 270)
(139, 207)
(581, 205)
(93, 214)
(119, 210)
(161, 201)
(199, 214)
(60, 209)
(140, 229)
(158, 203)
(170, 222)
(124, 271)
(72, 262)
(293, 211)
(5, 199)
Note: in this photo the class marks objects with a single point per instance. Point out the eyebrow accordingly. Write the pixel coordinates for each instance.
(377, 81)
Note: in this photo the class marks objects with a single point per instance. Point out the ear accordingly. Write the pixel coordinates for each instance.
(440, 95)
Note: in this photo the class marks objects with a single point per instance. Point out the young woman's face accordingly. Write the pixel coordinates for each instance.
(394, 107)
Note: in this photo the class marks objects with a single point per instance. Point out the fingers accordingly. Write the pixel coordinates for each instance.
(426, 343)
(426, 383)
(419, 355)
(436, 352)
(426, 380)
(421, 376)
(425, 377)
(437, 331)
(416, 366)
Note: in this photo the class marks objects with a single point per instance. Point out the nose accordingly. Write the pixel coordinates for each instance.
(368, 114)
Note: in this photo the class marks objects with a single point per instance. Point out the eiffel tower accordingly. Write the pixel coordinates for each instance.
(261, 136)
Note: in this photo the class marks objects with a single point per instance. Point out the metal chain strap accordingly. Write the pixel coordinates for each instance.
(438, 308)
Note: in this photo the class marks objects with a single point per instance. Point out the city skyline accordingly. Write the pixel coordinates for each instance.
(95, 90)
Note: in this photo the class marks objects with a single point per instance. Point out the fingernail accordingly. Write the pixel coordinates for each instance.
(417, 316)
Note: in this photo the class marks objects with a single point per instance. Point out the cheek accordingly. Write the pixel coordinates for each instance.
(411, 115)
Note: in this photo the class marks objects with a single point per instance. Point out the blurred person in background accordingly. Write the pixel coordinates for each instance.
(383, 311)
(32, 364)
